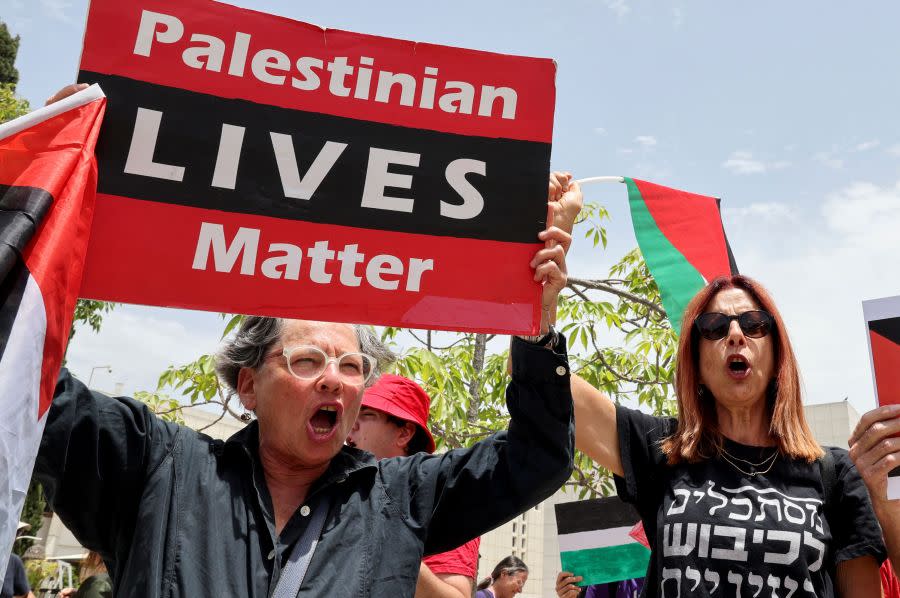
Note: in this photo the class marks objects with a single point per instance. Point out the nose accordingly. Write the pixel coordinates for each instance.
(330, 379)
(735, 335)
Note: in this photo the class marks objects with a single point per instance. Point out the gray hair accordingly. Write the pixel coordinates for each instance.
(256, 335)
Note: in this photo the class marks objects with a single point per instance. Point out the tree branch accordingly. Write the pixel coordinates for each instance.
(599, 285)
(475, 382)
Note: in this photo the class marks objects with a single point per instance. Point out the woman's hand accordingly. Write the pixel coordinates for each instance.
(565, 585)
(66, 92)
(550, 269)
(875, 448)
(565, 201)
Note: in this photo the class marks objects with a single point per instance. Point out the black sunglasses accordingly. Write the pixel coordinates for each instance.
(754, 324)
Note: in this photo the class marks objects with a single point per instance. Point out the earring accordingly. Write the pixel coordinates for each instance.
(245, 416)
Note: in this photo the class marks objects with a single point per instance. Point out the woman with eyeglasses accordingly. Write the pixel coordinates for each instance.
(736, 497)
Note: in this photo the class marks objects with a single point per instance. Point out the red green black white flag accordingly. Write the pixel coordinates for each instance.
(48, 179)
(682, 239)
(602, 540)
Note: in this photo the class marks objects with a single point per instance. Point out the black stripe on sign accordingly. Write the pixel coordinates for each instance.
(12, 288)
(21, 212)
(889, 328)
(514, 186)
(594, 514)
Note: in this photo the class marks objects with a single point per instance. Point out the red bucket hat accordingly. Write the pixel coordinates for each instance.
(403, 398)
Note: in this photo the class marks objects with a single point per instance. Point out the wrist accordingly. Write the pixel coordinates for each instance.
(548, 339)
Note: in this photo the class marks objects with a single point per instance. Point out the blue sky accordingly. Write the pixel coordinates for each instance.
(785, 110)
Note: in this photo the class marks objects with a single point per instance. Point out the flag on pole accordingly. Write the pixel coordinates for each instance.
(601, 540)
(682, 239)
(883, 327)
(48, 178)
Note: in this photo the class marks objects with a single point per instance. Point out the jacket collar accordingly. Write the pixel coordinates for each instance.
(349, 461)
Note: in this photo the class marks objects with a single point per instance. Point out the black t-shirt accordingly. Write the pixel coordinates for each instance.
(717, 532)
(16, 582)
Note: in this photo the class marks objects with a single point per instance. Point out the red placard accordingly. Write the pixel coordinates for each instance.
(368, 179)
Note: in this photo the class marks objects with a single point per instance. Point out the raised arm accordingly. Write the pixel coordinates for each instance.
(93, 460)
(595, 426)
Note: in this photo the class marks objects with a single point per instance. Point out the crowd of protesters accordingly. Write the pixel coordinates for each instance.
(334, 488)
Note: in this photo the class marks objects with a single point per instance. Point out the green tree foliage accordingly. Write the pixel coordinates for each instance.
(619, 340)
(11, 105)
(9, 47)
(89, 313)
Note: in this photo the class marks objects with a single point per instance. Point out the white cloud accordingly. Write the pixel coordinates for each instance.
(894, 150)
(599, 130)
(865, 215)
(140, 343)
(770, 210)
(820, 264)
(619, 7)
(829, 160)
(645, 140)
(743, 162)
(56, 9)
(866, 145)
(624, 150)
(677, 16)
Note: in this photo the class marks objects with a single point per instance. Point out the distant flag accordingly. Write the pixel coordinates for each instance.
(601, 540)
(48, 178)
(682, 239)
(883, 327)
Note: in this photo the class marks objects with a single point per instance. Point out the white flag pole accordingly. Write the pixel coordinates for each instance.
(600, 179)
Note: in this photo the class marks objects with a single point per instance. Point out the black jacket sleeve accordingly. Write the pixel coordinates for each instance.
(452, 498)
(95, 454)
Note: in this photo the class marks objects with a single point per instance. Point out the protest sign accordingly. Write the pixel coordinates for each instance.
(883, 331)
(602, 540)
(250, 163)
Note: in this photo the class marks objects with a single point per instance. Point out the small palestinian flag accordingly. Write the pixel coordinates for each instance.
(601, 540)
(48, 179)
(682, 239)
(883, 328)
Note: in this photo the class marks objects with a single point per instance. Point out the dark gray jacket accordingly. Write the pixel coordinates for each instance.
(177, 514)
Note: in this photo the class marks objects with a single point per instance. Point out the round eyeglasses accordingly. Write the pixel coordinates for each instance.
(308, 362)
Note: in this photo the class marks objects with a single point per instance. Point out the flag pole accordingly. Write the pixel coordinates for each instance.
(601, 179)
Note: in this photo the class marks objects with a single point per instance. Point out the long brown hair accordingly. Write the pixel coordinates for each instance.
(697, 436)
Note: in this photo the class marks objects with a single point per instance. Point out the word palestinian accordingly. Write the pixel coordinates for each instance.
(284, 261)
(274, 67)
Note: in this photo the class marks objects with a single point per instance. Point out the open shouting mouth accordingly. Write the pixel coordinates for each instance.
(738, 367)
(324, 421)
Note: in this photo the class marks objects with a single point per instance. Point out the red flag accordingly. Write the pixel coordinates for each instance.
(48, 180)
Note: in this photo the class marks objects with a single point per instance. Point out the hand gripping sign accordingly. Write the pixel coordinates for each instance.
(883, 331)
(254, 164)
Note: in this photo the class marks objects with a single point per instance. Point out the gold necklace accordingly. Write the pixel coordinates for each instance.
(753, 471)
(750, 463)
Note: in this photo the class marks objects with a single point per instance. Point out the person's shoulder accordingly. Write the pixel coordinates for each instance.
(841, 459)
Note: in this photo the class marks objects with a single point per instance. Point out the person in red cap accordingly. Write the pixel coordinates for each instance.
(393, 422)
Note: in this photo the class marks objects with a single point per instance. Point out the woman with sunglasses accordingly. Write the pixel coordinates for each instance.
(736, 497)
